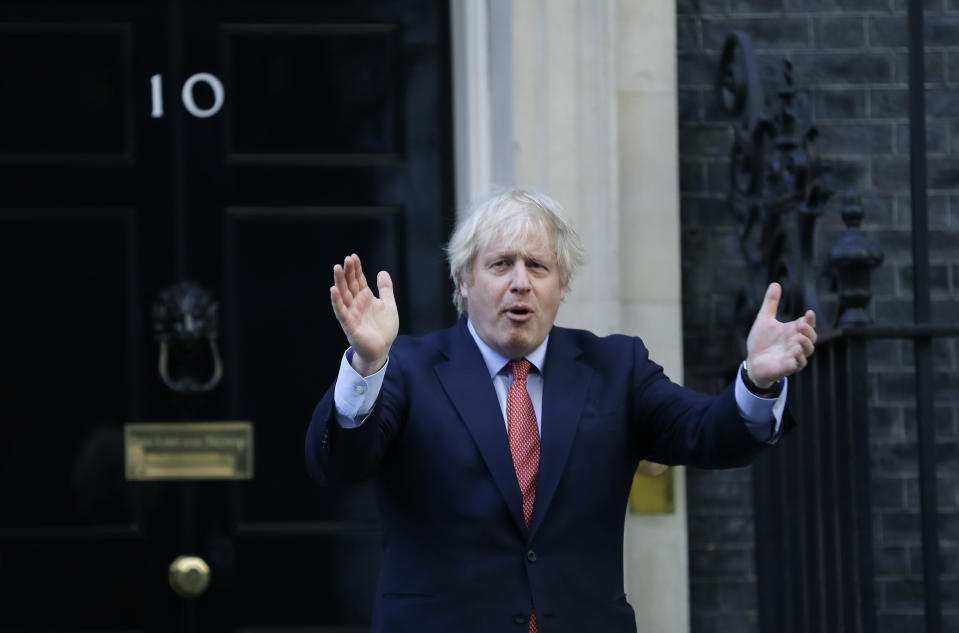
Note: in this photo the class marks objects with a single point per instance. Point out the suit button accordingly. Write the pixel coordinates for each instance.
(531, 556)
(519, 618)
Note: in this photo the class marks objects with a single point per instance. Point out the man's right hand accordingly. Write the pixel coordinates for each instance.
(370, 323)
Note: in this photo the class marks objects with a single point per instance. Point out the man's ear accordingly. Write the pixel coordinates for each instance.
(463, 287)
(562, 293)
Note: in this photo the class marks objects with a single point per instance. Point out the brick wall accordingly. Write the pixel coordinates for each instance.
(850, 60)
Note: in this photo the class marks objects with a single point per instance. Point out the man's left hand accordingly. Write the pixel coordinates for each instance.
(775, 349)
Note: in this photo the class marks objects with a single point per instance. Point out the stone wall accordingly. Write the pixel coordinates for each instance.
(850, 61)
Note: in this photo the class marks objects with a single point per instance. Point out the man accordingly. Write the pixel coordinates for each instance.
(503, 448)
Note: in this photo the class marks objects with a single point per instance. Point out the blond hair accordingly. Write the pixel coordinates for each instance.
(511, 215)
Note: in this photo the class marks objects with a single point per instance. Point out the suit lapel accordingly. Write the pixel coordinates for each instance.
(565, 383)
(467, 384)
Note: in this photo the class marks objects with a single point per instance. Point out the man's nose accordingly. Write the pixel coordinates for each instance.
(519, 279)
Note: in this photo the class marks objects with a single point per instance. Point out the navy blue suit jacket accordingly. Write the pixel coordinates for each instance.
(457, 555)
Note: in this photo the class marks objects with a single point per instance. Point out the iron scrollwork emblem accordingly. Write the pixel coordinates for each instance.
(779, 186)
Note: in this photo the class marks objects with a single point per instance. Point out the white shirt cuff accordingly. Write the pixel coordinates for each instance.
(759, 412)
(354, 395)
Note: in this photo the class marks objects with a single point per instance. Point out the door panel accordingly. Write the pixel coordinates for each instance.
(341, 565)
(332, 138)
(349, 111)
(62, 442)
(285, 325)
(68, 108)
(85, 560)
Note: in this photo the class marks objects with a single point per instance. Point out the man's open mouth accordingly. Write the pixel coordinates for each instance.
(519, 313)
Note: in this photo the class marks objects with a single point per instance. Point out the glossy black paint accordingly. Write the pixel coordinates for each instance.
(334, 137)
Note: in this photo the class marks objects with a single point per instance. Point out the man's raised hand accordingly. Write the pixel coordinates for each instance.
(776, 349)
(370, 323)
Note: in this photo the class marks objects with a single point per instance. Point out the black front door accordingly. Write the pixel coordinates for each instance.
(246, 147)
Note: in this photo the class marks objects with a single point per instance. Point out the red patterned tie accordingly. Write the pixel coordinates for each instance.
(523, 444)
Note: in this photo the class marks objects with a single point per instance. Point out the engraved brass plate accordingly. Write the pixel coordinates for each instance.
(188, 450)
(653, 494)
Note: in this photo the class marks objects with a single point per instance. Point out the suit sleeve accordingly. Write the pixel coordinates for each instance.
(334, 453)
(683, 426)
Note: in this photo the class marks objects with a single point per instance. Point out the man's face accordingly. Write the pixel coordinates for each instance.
(514, 293)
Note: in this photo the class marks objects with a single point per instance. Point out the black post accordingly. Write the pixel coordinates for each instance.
(859, 418)
(923, 345)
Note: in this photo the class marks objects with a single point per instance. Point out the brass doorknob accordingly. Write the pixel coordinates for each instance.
(189, 576)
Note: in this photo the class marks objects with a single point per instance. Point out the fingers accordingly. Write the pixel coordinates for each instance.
(349, 282)
(349, 279)
(341, 286)
(384, 286)
(336, 298)
(346, 306)
(353, 271)
(797, 345)
(803, 347)
(353, 278)
(771, 301)
(803, 328)
(361, 278)
(803, 334)
(342, 312)
(776, 349)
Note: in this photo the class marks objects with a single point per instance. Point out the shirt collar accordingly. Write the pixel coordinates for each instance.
(496, 361)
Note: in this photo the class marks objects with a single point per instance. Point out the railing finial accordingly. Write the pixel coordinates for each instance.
(851, 260)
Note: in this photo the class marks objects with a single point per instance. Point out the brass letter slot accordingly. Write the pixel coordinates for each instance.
(188, 450)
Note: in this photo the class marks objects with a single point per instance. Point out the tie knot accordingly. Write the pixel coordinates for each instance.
(520, 369)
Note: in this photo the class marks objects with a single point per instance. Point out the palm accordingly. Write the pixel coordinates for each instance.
(768, 352)
(370, 323)
(777, 349)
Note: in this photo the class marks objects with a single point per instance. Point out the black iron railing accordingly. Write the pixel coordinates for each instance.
(813, 507)
(814, 515)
